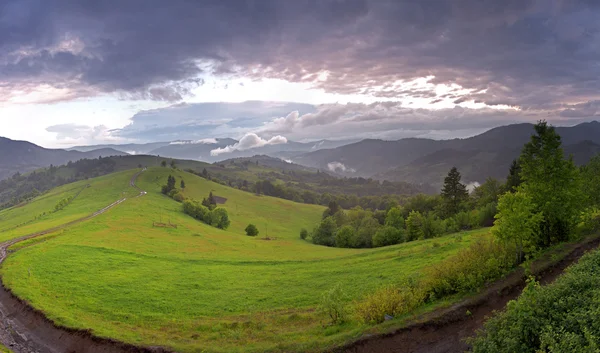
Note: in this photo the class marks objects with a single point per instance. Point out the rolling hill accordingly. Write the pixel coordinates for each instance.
(23, 156)
(195, 287)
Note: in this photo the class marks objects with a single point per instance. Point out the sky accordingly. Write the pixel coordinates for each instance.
(81, 72)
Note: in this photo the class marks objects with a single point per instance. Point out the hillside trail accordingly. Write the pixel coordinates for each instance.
(26, 330)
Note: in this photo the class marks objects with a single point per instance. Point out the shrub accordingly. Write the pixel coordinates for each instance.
(179, 197)
(469, 269)
(559, 317)
(388, 301)
(333, 305)
(590, 222)
(220, 218)
(303, 234)
(324, 234)
(251, 230)
(388, 235)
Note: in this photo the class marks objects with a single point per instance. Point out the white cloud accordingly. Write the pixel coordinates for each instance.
(472, 186)
(249, 141)
(339, 167)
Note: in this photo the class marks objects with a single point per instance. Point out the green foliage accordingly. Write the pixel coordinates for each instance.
(388, 300)
(414, 225)
(182, 184)
(303, 233)
(333, 305)
(388, 235)
(590, 176)
(344, 237)
(453, 193)
(559, 317)
(251, 230)
(332, 209)
(513, 180)
(394, 218)
(469, 269)
(517, 222)
(62, 203)
(324, 234)
(169, 186)
(163, 163)
(487, 193)
(431, 226)
(553, 183)
(217, 218)
(209, 202)
(590, 221)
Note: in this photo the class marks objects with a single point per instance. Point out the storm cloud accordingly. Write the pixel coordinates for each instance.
(534, 54)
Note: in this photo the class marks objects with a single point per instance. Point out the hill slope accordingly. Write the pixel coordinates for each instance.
(199, 288)
(22, 156)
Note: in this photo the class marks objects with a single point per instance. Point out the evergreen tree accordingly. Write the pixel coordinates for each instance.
(552, 182)
(513, 180)
(205, 173)
(453, 193)
(182, 184)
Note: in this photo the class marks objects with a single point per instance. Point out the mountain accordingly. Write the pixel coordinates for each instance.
(427, 161)
(201, 150)
(23, 156)
(130, 148)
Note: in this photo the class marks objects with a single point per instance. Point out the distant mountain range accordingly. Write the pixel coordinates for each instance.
(413, 160)
(201, 150)
(23, 156)
(427, 161)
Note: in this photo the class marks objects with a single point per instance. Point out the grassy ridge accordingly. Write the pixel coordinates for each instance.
(197, 287)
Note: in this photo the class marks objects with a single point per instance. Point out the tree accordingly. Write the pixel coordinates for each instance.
(513, 180)
(590, 176)
(204, 173)
(344, 237)
(454, 193)
(220, 218)
(166, 189)
(517, 221)
(332, 209)
(324, 234)
(394, 218)
(414, 222)
(553, 183)
(172, 163)
(163, 163)
(210, 202)
(251, 230)
(182, 184)
(388, 235)
(487, 192)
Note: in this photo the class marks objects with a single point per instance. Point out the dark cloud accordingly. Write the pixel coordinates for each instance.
(529, 53)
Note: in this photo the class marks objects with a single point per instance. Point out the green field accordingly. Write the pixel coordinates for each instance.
(196, 288)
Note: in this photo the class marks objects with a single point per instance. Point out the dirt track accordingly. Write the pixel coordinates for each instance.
(24, 329)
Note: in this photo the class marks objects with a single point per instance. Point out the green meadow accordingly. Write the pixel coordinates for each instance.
(195, 287)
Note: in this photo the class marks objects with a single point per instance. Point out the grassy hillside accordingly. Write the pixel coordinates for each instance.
(196, 287)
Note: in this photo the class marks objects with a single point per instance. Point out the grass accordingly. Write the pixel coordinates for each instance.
(196, 287)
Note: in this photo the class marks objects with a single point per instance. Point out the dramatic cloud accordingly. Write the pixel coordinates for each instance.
(247, 142)
(534, 54)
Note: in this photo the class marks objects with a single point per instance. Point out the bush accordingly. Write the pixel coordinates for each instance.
(388, 235)
(303, 234)
(590, 222)
(324, 234)
(559, 317)
(220, 218)
(333, 305)
(216, 218)
(179, 197)
(251, 230)
(388, 301)
(470, 268)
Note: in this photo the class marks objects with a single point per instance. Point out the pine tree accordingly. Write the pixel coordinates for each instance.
(454, 193)
(182, 184)
(514, 176)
